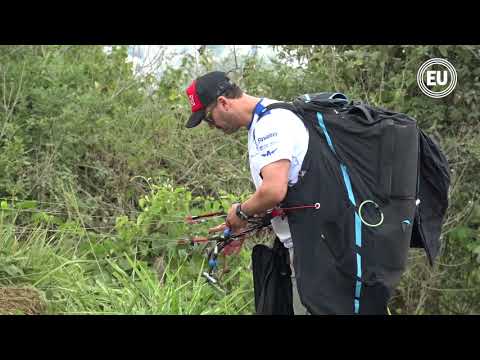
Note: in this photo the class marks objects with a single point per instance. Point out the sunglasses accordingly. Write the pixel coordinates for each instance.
(208, 117)
(220, 91)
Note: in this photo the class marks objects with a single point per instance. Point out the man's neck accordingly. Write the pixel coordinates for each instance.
(247, 107)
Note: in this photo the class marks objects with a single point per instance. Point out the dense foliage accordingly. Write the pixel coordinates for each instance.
(97, 170)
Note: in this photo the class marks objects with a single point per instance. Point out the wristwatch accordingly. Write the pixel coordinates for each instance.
(240, 213)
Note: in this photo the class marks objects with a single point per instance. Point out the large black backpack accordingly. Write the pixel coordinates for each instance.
(383, 187)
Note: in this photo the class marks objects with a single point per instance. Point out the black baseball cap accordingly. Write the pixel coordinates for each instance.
(203, 91)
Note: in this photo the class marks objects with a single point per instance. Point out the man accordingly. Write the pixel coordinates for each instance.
(361, 163)
(277, 144)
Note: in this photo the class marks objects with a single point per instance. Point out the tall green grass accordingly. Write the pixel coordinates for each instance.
(76, 282)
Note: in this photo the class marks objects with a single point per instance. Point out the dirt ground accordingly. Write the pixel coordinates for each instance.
(21, 300)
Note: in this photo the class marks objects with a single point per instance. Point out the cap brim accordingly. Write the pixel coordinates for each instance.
(195, 119)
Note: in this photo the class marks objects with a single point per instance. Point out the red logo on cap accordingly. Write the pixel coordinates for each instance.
(195, 102)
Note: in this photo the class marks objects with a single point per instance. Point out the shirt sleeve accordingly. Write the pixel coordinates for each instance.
(273, 139)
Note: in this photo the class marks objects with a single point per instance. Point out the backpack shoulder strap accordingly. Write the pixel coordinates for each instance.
(282, 105)
(311, 102)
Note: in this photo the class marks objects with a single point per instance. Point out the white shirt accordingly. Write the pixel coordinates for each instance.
(280, 134)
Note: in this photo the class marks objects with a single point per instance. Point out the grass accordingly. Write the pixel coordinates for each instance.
(76, 282)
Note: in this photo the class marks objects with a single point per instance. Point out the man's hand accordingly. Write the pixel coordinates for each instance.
(232, 248)
(233, 221)
(219, 228)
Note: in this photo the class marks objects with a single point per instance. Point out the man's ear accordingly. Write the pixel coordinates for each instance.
(223, 101)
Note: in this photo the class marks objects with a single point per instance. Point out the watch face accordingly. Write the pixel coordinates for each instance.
(241, 214)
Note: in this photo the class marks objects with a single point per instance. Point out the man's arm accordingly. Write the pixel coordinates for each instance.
(273, 189)
(271, 192)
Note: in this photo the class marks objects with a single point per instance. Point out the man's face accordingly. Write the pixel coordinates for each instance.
(220, 115)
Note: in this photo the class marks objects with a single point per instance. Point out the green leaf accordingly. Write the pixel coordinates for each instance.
(13, 270)
(29, 204)
(461, 233)
(124, 264)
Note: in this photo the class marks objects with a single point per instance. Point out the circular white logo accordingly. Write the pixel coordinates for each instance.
(442, 81)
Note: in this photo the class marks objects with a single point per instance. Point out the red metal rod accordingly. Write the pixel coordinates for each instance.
(316, 206)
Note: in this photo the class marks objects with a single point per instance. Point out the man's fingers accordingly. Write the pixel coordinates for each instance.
(218, 228)
(234, 247)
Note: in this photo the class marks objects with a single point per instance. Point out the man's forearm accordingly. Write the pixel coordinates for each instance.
(265, 198)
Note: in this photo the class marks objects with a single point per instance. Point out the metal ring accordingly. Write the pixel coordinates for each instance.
(317, 206)
(376, 206)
